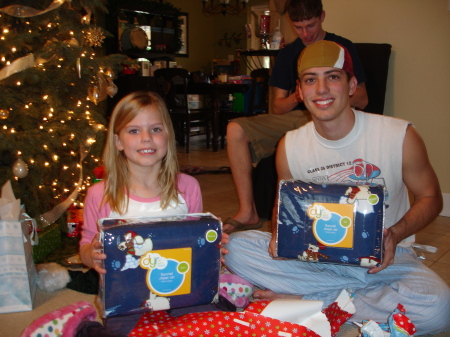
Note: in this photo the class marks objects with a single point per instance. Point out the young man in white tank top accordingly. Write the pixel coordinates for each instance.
(339, 134)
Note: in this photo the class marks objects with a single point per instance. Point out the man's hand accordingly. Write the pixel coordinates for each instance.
(389, 246)
(284, 101)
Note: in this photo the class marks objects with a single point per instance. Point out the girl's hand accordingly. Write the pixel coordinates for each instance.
(273, 249)
(92, 255)
(223, 250)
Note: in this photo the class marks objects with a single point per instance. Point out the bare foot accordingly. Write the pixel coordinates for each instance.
(270, 295)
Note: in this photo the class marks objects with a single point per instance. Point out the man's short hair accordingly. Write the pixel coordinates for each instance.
(300, 10)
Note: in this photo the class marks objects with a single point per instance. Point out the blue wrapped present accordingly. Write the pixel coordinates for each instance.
(159, 263)
(334, 223)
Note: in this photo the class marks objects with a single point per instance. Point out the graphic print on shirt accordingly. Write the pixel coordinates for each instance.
(358, 171)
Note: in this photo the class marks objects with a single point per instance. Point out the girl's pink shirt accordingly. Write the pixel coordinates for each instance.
(188, 187)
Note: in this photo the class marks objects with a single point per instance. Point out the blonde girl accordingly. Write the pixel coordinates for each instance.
(141, 168)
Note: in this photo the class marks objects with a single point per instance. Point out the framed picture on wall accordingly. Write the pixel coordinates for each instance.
(184, 51)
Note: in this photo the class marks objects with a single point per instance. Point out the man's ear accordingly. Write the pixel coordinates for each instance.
(353, 83)
(299, 90)
(322, 16)
(117, 142)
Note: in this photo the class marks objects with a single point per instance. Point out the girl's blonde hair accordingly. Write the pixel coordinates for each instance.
(115, 162)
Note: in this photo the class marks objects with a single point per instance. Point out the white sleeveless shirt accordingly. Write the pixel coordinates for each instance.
(370, 154)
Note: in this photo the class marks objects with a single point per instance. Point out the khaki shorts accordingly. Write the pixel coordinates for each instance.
(264, 131)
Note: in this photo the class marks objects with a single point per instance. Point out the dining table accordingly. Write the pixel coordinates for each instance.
(217, 92)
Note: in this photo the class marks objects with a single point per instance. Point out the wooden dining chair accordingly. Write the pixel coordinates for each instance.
(172, 85)
(375, 60)
(259, 100)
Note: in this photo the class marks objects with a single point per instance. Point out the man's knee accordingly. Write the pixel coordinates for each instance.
(440, 312)
(236, 132)
(434, 313)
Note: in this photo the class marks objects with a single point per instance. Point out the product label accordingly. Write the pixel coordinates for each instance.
(169, 271)
(333, 224)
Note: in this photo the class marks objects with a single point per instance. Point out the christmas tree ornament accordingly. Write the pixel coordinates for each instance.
(94, 94)
(73, 42)
(4, 113)
(20, 168)
(111, 89)
(79, 67)
(109, 73)
(94, 37)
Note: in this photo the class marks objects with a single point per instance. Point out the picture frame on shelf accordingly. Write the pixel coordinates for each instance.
(184, 27)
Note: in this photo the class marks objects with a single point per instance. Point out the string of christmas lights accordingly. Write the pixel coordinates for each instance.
(52, 111)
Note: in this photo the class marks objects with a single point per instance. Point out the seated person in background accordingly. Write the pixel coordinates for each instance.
(339, 133)
(250, 139)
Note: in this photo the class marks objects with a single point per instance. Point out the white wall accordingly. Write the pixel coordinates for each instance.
(419, 76)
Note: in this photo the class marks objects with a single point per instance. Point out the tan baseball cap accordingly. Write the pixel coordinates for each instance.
(325, 54)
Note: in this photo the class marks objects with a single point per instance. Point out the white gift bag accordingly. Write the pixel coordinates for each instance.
(17, 270)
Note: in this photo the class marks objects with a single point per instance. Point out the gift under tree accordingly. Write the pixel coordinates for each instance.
(52, 120)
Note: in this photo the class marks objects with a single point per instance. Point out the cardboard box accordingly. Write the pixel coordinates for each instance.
(331, 223)
(159, 263)
(195, 105)
(195, 98)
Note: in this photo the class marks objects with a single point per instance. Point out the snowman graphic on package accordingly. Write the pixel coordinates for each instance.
(160, 263)
(335, 223)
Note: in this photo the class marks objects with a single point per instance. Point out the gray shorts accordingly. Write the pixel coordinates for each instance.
(264, 131)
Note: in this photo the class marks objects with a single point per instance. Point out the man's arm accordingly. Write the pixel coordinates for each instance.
(359, 100)
(284, 173)
(421, 180)
(284, 102)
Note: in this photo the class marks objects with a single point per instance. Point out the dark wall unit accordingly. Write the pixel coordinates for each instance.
(143, 28)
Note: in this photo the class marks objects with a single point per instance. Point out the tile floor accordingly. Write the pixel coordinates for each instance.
(219, 198)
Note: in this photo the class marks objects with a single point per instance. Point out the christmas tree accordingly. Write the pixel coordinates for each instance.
(52, 82)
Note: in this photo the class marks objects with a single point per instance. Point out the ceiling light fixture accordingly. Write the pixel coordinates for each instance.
(214, 7)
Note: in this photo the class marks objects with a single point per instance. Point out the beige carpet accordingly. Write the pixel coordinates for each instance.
(12, 325)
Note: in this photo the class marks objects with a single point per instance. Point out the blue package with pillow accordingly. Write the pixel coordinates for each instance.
(334, 223)
(159, 263)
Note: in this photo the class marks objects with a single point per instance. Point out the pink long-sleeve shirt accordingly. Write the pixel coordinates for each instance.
(190, 201)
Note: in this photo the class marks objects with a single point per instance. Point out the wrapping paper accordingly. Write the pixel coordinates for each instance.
(331, 223)
(159, 263)
(398, 325)
(256, 320)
